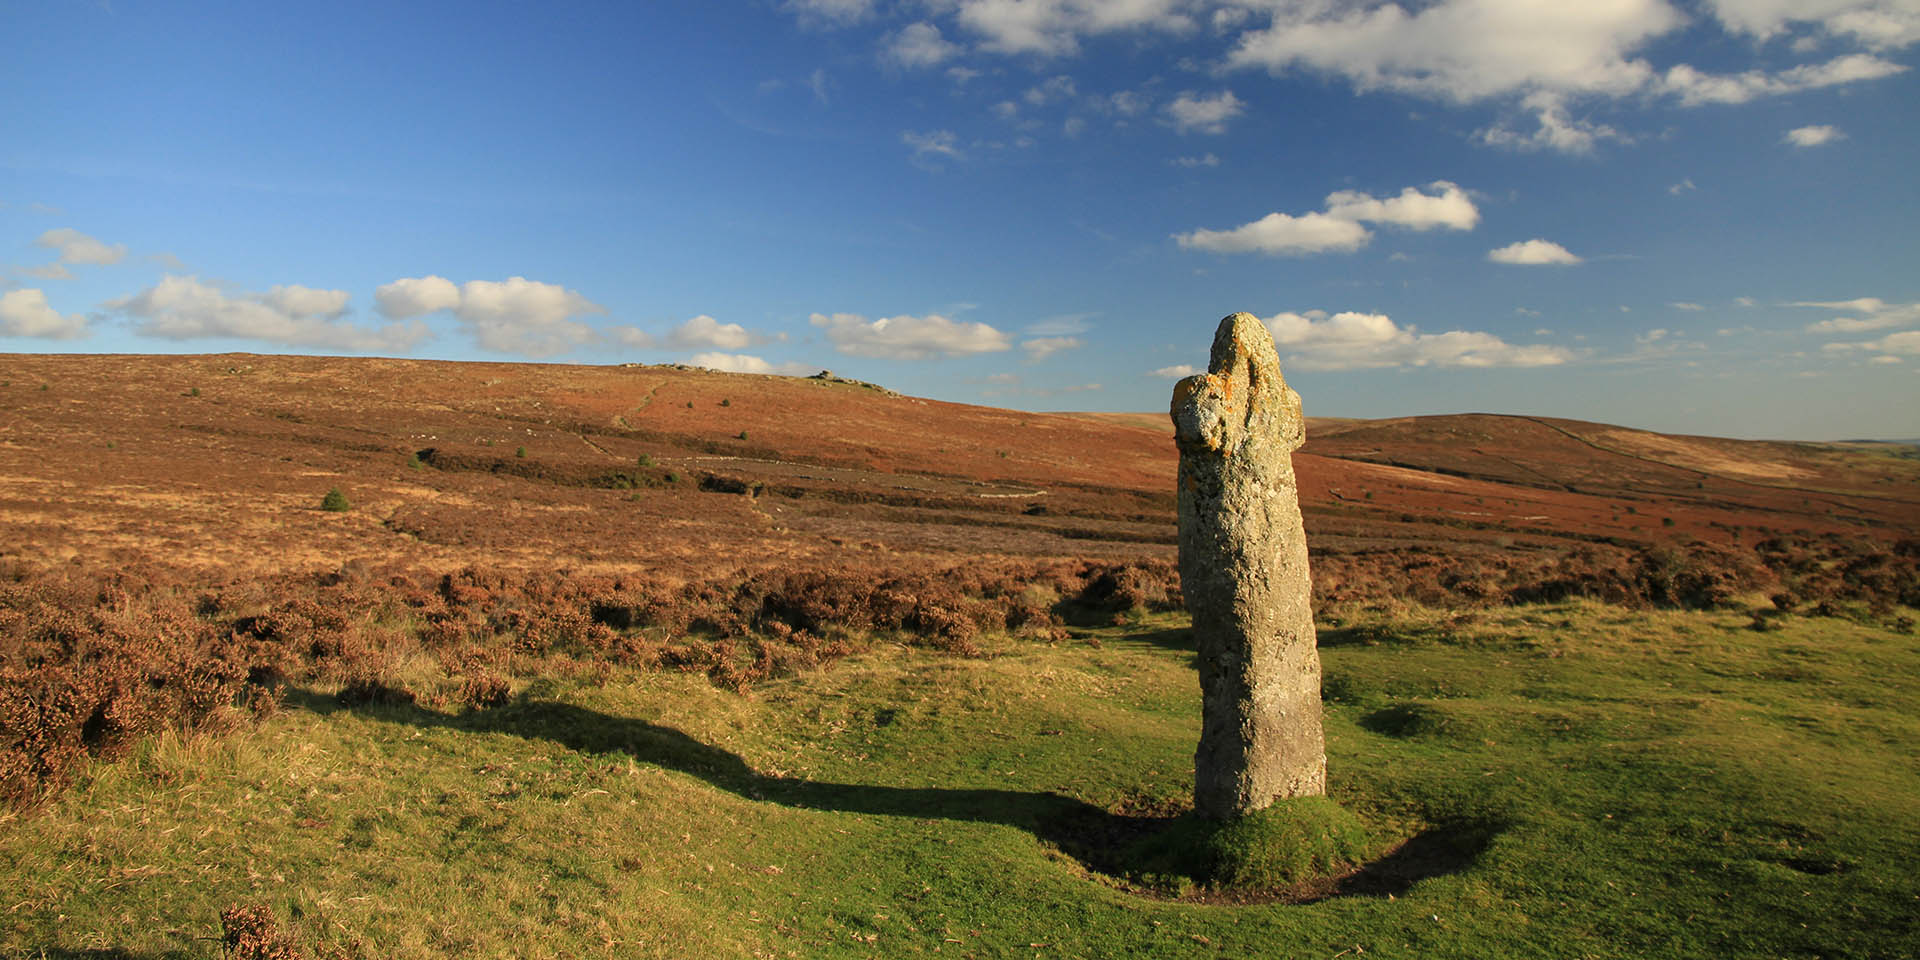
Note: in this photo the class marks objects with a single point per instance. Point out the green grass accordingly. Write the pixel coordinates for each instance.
(1580, 781)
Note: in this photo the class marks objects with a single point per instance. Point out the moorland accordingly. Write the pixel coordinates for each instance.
(413, 658)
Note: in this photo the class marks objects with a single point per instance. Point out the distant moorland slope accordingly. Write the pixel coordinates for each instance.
(218, 464)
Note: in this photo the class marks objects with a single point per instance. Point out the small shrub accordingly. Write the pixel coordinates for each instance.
(520, 452)
(672, 477)
(726, 403)
(335, 501)
(742, 434)
(249, 933)
(485, 690)
(413, 461)
(645, 460)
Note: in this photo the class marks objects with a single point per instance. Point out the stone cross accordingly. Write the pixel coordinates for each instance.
(1243, 571)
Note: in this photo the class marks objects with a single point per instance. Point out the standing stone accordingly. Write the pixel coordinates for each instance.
(1243, 571)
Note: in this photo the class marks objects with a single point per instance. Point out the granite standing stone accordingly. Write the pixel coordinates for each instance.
(1243, 571)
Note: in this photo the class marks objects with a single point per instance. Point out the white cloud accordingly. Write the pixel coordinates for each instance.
(907, 337)
(705, 331)
(1879, 24)
(830, 13)
(1868, 313)
(1338, 226)
(1053, 27)
(1684, 186)
(1465, 50)
(25, 313)
(416, 297)
(524, 316)
(1905, 343)
(1050, 90)
(745, 363)
(1128, 103)
(78, 248)
(183, 308)
(1351, 341)
(1535, 252)
(1176, 371)
(632, 337)
(515, 315)
(1813, 136)
(918, 45)
(1191, 112)
(928, 147)
(1556, 129)
(295, 300)
(1204, 160)
(1280, 233)
(1695, 88)
(1041, 348)
(1412, 209)
(1687, 305)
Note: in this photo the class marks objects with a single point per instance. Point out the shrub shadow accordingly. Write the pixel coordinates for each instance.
(1099, 840)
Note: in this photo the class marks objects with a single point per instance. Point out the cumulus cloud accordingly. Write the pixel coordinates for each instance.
(1879, 24)
(631, 336)
(1198, 113)
(1176, 371)
(917, 45)
(1040, 348)
(74, 248)
(295, 300)
(78, 248)
(705, 331)
(1535, 252)
(1203, 160)
(1905, 343)
(515, 315)
(1862, 314)
(25, 313)
(1338, 227)
(907, 337)
(1280, 233)
(524, 316)
(830, 13)
(1465, 50)
(933, 145)
(1555, 129)
(1687, 305)
(1813, 136)
(1449, 207)
(416, 297)
(1695, 88)
(746, 363)
(1352, 341)
(183, 308)
(1054, 27)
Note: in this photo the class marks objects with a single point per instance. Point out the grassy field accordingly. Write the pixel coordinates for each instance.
(1571, 780)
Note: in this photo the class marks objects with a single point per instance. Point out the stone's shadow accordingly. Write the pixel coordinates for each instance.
(1101, 841)
(104, 953)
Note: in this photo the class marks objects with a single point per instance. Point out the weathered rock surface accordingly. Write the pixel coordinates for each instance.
(1243, 571)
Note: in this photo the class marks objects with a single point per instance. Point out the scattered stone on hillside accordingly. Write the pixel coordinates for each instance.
(828, 376)
(1243, 571)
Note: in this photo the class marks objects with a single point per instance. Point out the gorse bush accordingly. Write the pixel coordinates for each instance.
(335, 501)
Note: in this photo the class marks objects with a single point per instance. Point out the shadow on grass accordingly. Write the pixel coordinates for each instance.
(110, 953)
(1100, 840)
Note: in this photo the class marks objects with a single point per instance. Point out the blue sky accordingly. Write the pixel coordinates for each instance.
(1686, 215)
